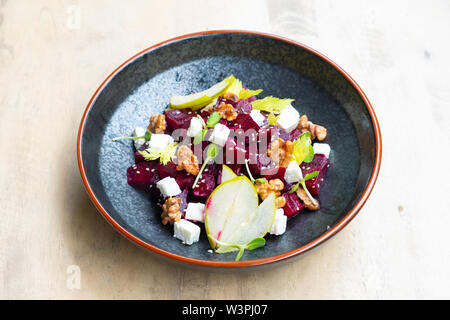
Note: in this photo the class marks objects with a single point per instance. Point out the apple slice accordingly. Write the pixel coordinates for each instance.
(232, 215)
(198, 100)
(227, 174)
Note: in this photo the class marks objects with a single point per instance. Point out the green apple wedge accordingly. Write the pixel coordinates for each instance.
(233, 217)
(227, 174)
(198, 100)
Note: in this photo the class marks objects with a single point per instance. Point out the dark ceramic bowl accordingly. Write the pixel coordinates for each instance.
(143, 85)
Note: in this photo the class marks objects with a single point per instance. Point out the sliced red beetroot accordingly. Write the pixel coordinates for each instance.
(212, 168)
(293, 204)
(237, 168)
(143, 175)
(319, 163)
(273, 173)
(205, 186)
(168, 170)
(294, 134)
(184, 180)
(245, 122)
(180, 118)
(260, 162)
(234, 152)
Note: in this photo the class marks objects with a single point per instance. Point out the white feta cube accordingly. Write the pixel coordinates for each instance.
(160, 141)
(293, 173)
(186, 231)
(139, 132)
(289, 118)
(195, 212)
(257, 117)
(220, 134)
(168, 187)
(322, 148)
(195, 127)
(279, 223)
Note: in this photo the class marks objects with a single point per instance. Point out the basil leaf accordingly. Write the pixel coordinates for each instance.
(256, 243)
(213, 119)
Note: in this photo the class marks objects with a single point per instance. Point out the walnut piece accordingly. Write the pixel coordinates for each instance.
(231, 96)
(171, 211)
(274, 185)
(225, 110)
(157, 123)
(309, 204)
(187, 160)
(317, 131)
(281, 152)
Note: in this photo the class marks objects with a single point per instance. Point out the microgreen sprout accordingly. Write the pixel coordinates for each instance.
(147, 136)
(213, 119)
(211, 152)
(302, 182)
(259, 180)
(252, 245)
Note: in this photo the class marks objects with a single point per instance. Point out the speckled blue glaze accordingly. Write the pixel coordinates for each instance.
(144, 87)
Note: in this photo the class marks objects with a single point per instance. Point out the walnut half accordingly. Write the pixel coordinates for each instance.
(157, 123)
(281, 152)
(226, 111)
(274, 185)
(187, 160)
(317, 131)
(171, 211)
(309, 204)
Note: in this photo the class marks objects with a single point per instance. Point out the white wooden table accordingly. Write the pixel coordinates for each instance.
(53, 54)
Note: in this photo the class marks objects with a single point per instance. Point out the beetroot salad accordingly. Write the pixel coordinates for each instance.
(238, 165)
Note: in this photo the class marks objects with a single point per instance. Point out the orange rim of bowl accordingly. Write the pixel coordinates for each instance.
(332, 231)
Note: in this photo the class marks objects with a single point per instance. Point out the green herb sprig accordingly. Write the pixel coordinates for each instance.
(147, 136)
(302, 182)
(253, 180)
(211, 152)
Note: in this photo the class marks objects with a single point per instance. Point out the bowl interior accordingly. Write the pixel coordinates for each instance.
(144, 86)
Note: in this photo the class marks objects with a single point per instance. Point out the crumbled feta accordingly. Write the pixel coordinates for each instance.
(279, 223)
(322, 148)
(186, 231)
(220, 134)
(195, 212)
(288, 118)
(168, 187)
(257, 117)
(139, 132)
(293, 173)
(160, 141)
(195, 127)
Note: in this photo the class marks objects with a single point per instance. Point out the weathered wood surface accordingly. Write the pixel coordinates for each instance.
(53, 54)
